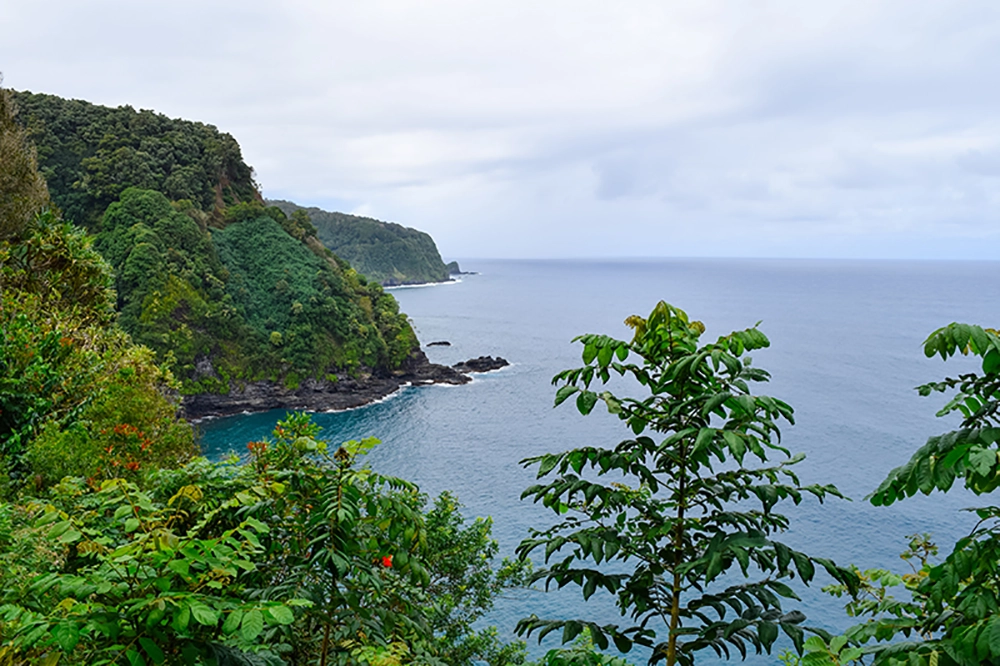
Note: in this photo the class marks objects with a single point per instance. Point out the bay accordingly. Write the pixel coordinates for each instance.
(845, 352)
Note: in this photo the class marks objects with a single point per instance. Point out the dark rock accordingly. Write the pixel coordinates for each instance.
(481, 364)
(453, 269)
(439, 343)
(320, 394)
(203, 368)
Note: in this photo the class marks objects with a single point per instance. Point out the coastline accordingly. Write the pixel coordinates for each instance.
(318, 395)
(412, 285)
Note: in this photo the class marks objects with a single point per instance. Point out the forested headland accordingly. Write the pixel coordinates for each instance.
(224, 289)
(388, 253)
(119, 545)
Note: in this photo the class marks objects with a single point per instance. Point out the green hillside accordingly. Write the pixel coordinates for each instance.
(223, 289)
(89, 154)
(384, 251)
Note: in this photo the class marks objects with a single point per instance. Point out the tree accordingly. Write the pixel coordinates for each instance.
(953, 616)
(676, 522)
(22, 189)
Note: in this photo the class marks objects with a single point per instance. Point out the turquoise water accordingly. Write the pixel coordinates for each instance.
(846, 353)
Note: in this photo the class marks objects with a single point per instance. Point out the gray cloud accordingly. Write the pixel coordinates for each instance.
(574, 128)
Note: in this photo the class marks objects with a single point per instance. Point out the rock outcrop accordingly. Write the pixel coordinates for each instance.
(316, 395)
(320, 394)
(481, 364)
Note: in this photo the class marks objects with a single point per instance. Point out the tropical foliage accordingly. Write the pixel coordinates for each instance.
(248, 301)
(299, 556)
(949, 612)
(23, 193)
(67, 375)
(118, 546)
(670, 526)
(90, 154)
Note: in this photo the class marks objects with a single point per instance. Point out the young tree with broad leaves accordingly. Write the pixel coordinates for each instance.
(678, 507)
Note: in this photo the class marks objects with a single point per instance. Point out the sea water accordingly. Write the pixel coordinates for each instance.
(845, 353)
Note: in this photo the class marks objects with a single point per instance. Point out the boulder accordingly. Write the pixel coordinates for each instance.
(481, 364)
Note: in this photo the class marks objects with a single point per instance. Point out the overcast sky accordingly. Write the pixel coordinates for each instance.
(574, 128)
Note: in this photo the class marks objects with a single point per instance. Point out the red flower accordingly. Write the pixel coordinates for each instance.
(132, 465)
(387, 561)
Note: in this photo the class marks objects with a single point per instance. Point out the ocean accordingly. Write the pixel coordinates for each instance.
(845, 352)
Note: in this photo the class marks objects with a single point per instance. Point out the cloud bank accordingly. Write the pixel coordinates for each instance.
(575, 129)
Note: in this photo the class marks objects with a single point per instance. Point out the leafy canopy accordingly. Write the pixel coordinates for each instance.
(666, 521)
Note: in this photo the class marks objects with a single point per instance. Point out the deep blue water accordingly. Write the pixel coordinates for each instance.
(845, 352)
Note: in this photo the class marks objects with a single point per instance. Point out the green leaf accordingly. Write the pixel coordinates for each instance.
(135, 658)
(982, 460)
(257, 525)
(605, 355)
(232, 622)
(252, 625)
(585, 402)
(768, 633)
(621, 642)
(132, 524)
(153, 650)
(795, 633)
(548, 462)
(280, 614)
(814, 644)
(853, 654)
(67, 635)
(70, 536)
(736, 445)
(991, 362)
(180, 567)
(563, 393)
(705, 436)
(204, 615)
(614, 407)
(182, 618)
(783, 590)
(994, 636)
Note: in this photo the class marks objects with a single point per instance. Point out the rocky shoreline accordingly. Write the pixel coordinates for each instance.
(325, 395)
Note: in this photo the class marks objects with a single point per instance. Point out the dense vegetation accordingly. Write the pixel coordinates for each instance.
(383, 251)
(244, 302)
(89, 155)
(119, 546)
(68, 376)
(222, 289)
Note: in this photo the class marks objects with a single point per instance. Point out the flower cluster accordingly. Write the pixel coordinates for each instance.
(258, 451)
(124, 452)
(257, 448)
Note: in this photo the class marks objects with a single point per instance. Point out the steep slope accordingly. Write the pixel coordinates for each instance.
(384, 251)
(244, 302)
(71, 382)
(224, 290)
